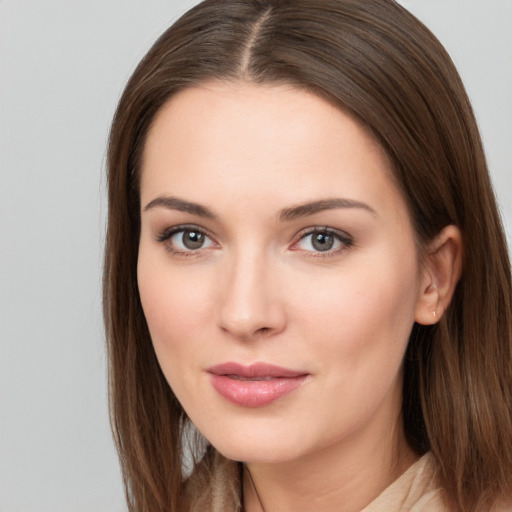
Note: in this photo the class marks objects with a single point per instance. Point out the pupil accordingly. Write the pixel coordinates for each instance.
(193, 239)
(323, 242)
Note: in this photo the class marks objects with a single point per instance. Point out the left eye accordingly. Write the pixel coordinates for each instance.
(189, 240)
(323, 241)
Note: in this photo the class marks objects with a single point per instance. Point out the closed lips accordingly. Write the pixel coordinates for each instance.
(256, 385)
(256, 371)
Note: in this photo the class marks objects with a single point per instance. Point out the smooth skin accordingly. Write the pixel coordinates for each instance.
(232, 269)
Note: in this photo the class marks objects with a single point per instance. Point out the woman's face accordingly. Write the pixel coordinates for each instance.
(277, 271)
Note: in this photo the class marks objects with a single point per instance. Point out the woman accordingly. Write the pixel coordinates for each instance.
(305, 261)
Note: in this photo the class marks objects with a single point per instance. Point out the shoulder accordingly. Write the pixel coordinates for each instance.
(417, 490)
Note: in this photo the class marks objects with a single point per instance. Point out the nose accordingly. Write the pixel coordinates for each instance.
(251, 305)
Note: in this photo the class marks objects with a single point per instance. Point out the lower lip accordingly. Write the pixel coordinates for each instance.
(255, 393)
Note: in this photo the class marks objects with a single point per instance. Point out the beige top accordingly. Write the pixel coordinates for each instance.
(215, 486)
(415, 491)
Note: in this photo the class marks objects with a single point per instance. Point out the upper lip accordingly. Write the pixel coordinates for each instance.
(256, 370)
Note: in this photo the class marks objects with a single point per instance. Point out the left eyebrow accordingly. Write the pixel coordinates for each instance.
(305, 209)
(175, 203)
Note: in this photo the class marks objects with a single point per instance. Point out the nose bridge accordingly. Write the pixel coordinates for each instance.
(250, 300)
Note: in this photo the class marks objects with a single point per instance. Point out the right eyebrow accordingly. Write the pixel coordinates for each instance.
(303, 210)
(174, 203)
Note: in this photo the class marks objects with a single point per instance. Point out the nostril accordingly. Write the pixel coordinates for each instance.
(247, 309)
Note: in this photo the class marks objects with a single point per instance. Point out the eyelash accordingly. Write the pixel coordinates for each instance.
(346, 241)
(167, 234)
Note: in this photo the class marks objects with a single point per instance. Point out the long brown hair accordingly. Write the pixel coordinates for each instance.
(379, 63)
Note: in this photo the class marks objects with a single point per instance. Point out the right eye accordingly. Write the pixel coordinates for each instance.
(185, 239)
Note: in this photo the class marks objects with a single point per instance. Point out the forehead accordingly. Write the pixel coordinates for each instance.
(239, 140)
(258, 111)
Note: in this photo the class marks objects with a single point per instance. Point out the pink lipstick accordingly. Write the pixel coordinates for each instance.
(255, 385)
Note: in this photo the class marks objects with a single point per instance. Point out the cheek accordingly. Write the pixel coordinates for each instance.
(176, 314)
(176, 305)
(362, 314)
(359, 326)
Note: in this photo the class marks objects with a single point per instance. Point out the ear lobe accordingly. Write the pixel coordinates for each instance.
(441, 273)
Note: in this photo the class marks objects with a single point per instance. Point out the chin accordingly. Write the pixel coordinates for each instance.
(257, 444)
(262, 453)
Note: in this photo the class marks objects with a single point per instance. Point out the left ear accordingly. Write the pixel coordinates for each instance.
(441, 273)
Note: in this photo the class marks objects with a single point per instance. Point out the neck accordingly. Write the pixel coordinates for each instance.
(345, 477)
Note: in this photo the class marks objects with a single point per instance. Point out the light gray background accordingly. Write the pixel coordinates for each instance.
(62, 67)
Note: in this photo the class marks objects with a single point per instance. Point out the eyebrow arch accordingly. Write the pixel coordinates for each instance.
(303, 210)
(174, 203)
(287, 214)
